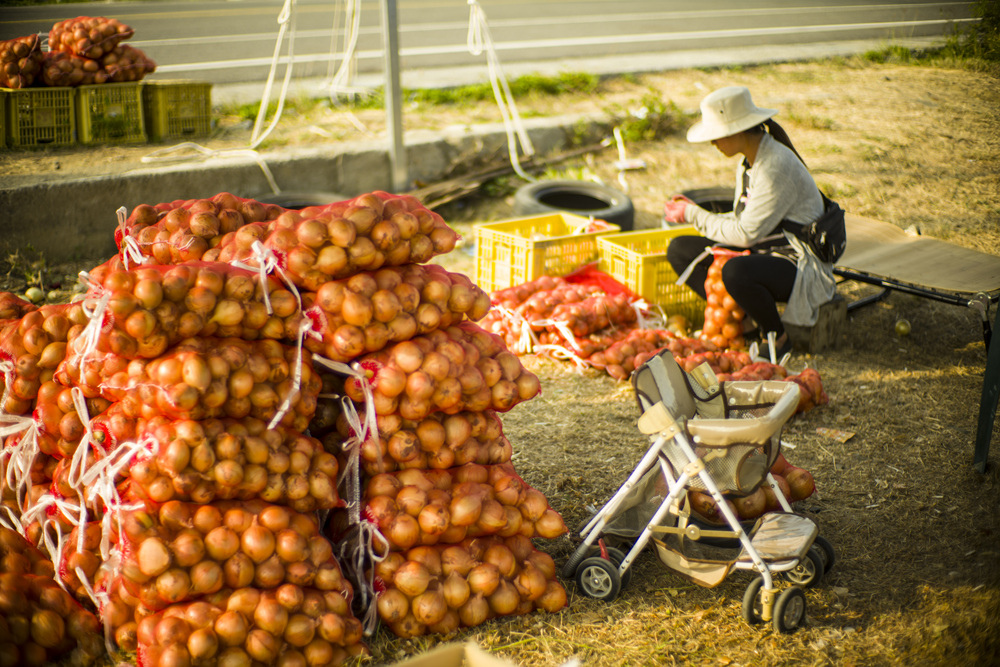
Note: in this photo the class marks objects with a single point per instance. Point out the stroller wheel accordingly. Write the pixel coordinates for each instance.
(753, 606)
(598, 578)
(809, 570)
(826, 549)
(789, 610)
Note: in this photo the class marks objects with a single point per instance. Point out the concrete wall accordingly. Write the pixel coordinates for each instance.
(75, 219)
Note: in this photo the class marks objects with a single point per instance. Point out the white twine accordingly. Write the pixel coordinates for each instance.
(563, 329)
(99, 483)
(86, 343)
(20, 457)
(478, 39)
(349, 479)
(12, 521)
(561, 353)
(267, 263)
(130, 247)
(681, 279)
(100, 599)
(293, 391)
(361, 552)
(526, 340)
(78, 464)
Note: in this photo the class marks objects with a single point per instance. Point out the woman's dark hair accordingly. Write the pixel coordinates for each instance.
(771, 127)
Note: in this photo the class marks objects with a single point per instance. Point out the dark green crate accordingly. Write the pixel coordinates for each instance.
(110, 113)
(39, 117)
(177, 109)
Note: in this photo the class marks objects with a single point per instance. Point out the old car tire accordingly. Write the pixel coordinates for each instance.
(300, 200)
(716, 200)
(583, 198)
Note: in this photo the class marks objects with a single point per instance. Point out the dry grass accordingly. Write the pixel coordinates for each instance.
(916, 529)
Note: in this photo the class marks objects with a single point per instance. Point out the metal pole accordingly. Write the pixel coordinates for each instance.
(393, 97)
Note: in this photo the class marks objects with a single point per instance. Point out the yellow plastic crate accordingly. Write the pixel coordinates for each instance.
(638, 260)
(177, 109)
(39, 117)
(110, 113)
(517, 251)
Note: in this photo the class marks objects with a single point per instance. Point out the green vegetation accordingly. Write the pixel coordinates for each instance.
(976, 46)
(652, 119)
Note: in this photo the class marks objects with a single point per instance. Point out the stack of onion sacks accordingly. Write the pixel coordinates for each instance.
(441, 588)
(41, 622)
(20, 61)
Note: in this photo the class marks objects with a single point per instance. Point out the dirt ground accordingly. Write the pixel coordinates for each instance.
(916, 529)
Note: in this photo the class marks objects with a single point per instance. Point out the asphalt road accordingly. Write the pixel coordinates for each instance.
(234, 42)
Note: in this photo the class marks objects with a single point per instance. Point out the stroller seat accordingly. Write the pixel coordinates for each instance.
(735, 426)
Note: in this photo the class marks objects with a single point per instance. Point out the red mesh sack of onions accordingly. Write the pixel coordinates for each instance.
(184, 229)
(126, 63)
(414, 507)
(43, 623)
(290, 625)
(36, 479)
(13, 307)
(204, 378)
(225, 459)
(182, 551)
(370, 310)
(723, 317)
(438, 441)
(88, 36)
(21, 61)
(438, 589)
(61, 69)
(31, 350)
(724, 361)
(139, 313)
(61, 427)
(459, 368)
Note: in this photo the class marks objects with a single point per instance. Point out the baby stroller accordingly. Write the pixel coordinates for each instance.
(718, 438)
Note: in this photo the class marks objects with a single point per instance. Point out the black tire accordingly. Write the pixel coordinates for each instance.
(716, 200)
(752, 605)
(598, 578)
(583, 198)
(582, 552)
(809, 571)
(300, 200)
(789, 610)
(829, 555)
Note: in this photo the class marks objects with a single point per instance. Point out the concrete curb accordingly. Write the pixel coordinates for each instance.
(75, 219)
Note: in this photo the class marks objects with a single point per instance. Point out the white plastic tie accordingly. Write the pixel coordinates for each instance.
(293, 391)
(681, 279)
(266, 263)
(130, 247)
(78, 463)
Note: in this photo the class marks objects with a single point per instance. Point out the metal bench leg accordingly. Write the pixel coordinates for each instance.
(988, 404)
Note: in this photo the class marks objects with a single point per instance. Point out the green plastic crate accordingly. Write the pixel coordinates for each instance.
(110, 113)
(39, 117)
(177, 109)
(638, 260)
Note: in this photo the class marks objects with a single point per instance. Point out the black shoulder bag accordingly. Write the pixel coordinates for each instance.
(826, 236)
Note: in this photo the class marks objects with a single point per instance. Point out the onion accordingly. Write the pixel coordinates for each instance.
(206, 577)
(393, 606)
(554, 597)
(383, 484)
(498, 554)
(386, 568)
(543, 562)
(492, 518)
(484, 578)
(504, 600)
(300, 630)
(408, 627)
(411, 499)
(474, 612)
(403, 531)
(411, 578)
(332, 627)
(238, 570)
(47, 628)
(258, 543)
(550, 525)
(456, 590)
(269, 574)
(800, 483)
(153, 556)
(530, 582)
(534, 504)
(271, 616)
(429, 607)
(433, 519)
(751, 506)
(173, 585)
(221, 543)
(456, 558)
(465, 509)
(262, 646)
(202, 644)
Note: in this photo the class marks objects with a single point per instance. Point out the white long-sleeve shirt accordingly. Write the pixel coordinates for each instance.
(780, 187)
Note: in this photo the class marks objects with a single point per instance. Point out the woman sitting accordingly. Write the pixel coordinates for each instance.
(775, 186)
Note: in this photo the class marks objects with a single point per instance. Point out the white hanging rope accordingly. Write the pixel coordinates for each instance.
(189, 150)
(480, 39)
(339, 82)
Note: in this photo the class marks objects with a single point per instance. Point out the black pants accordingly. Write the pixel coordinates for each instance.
(758, 281)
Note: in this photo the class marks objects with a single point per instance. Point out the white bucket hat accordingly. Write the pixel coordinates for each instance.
(725, 112)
